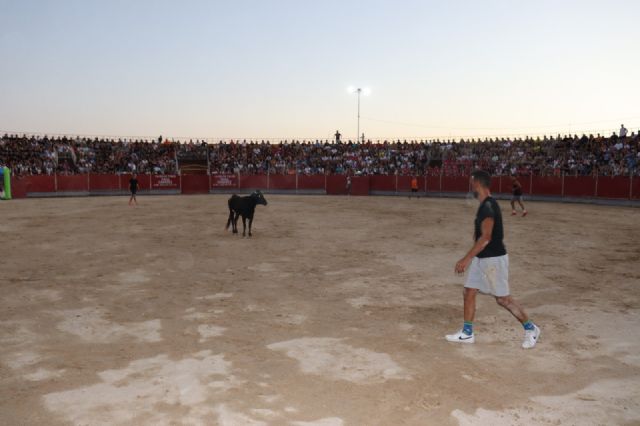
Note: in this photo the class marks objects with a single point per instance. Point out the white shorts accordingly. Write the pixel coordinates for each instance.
(489, 275)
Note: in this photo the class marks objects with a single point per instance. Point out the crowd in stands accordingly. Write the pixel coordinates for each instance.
(64, 155)
(618, 154)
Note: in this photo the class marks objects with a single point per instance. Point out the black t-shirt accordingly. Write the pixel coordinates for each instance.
(517, 189)
(133, 184)
(490, 208)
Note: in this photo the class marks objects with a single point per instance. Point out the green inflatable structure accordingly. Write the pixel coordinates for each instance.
(5, 180)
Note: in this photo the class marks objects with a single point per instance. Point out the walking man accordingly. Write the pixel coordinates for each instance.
(516, 197)
(488, 265)
(133, 188)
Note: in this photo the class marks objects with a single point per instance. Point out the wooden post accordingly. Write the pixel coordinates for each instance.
(530, 183)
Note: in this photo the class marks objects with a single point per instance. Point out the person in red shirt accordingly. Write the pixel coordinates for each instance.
(414, 186)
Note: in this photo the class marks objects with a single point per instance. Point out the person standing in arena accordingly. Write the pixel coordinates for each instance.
(133, 188)
(517, 197)
(414, 186)
(488, 265)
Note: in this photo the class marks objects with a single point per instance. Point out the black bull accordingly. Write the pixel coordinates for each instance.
(245, 207)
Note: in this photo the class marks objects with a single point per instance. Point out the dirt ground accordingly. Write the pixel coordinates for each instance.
(334, 313)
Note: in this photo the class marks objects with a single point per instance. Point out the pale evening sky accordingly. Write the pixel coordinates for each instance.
(280, 68)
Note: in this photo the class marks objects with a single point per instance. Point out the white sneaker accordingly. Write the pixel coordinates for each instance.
(531, 337)
(460, 337)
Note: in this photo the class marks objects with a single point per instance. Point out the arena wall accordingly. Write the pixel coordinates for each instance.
(542, 187)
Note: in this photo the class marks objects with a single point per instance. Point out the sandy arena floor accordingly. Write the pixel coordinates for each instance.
(332, 314)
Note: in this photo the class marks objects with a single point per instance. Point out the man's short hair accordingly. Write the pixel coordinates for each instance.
(483, 177)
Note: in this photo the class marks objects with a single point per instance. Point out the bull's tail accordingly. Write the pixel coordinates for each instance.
(230, 213)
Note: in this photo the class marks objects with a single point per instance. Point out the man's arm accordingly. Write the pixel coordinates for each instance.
(486, 228)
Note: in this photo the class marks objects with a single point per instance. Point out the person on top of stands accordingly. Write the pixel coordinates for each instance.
(623, 131)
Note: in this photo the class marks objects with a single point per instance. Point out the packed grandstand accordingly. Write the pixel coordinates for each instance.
(615, 155)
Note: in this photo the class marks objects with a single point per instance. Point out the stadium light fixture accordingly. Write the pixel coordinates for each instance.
(359, 91)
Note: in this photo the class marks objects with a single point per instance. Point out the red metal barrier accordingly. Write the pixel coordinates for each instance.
(195, 184)
(104, 182)
(579, 186)
(165, 182)
(336, 185)
(311, 182)
(282, 182)
(618, 187)
(19, 187)
(404, 183)
(433, 183)
(455, 184)
(360, 185)
(383, 183)
(614, 187)
(636, 188)
(229, 181)
(73, 183)
(253, 181)
(496, 184)
(39, 183)
(546, 185)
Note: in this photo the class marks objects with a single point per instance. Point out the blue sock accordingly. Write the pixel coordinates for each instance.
(528, 325)
(467, 328)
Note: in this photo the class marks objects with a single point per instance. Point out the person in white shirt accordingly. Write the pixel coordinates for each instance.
(623, 131)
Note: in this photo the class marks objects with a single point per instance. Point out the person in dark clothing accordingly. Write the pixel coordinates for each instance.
(133, 188)
(488, 265)
(517, 197)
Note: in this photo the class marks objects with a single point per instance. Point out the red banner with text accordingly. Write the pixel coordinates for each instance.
(224, 181)
(165, 182)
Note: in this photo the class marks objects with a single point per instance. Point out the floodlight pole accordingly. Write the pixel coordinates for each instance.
(359, 90)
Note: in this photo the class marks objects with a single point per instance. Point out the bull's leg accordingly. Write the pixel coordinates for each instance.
(250, 222)
(230, 220)
(244, 226)
(235, 223)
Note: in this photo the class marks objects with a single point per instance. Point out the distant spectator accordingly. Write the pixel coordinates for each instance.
(623, 131)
